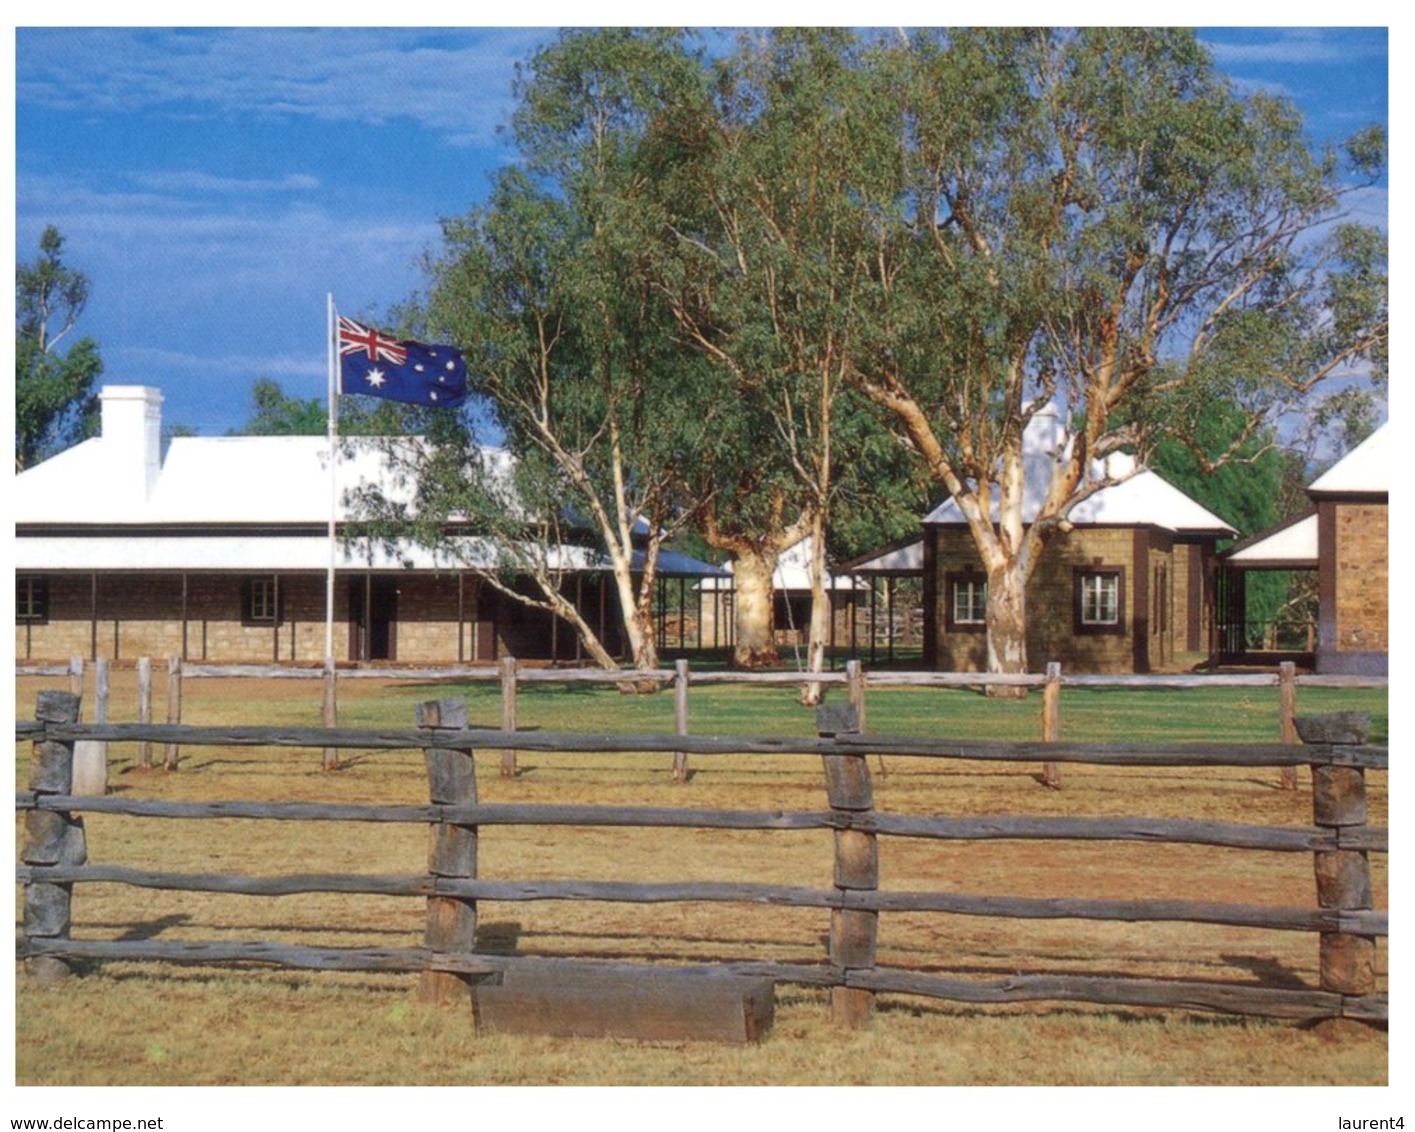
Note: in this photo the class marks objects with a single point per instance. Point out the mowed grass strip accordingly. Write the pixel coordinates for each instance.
(166, 1024)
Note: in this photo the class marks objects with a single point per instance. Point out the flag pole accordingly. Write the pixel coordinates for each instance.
(330, 713)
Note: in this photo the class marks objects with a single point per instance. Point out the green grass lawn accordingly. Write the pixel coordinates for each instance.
(1103, 715)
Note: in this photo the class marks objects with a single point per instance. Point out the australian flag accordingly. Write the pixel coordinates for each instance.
(371, 362)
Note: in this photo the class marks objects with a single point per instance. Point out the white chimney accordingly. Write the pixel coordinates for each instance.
(132, 435)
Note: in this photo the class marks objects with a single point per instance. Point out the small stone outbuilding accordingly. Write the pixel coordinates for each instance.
(1128, 588)
(1345, 538)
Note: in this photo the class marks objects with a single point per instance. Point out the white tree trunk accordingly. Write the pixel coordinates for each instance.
(819, 635)
(755, 639)
(1007, 624)
(638, 616)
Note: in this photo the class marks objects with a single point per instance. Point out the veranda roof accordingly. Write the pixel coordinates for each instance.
(271, 552)
(906, 559)
(1290, 545)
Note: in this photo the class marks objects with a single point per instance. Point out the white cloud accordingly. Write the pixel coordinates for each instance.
(157, 236)
(1297, 46)
(181, 181)
(1369, 205)
(148, 359)
(455, 81)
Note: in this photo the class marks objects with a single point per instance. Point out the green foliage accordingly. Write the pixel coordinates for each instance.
(1101, 220)
(273, 413)
(1235, 474)
(1240, 477)
(567, 343)
(828, 275)
(56, 402)
(759, 257)
(1094, 219)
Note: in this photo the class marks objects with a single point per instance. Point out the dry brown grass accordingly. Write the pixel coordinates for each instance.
(162, 1024)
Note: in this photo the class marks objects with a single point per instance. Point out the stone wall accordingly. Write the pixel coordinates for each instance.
(1353, 579)
(127, 616)
(1155, 581)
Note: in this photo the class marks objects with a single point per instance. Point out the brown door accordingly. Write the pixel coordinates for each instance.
(373, 618)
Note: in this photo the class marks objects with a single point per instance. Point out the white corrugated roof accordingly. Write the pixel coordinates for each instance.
(902, 560)
(266, 552)
(213, 482)
(1142, 499)
(1294, 545)
(208, 480)
(1361, 471)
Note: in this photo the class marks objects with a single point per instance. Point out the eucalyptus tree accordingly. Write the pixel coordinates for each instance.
(566, 341)
(759, 260)
(56, 402)
(275, 413)
(1095, 220)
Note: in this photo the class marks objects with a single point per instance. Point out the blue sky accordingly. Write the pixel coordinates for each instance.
(215, 185)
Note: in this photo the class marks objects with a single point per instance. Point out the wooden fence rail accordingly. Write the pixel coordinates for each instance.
(511, 676)
(55, 857)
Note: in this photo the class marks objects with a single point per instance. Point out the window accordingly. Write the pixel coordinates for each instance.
(31, 600)
(970, 602)
(967, 602)
(1100, 601)
(259, 599)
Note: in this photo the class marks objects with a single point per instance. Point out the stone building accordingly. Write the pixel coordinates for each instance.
(219, 551)
(1128, 588)
(1344, 538)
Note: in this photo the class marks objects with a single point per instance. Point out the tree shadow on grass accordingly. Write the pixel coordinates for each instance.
(151, 929)
(1268, 971)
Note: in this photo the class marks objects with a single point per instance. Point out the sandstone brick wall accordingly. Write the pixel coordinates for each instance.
(1189, 592)
(1362, 577)
(141, 615)
(1051, 600)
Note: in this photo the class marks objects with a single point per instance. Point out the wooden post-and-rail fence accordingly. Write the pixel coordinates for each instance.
(512, 676)
(55, 857)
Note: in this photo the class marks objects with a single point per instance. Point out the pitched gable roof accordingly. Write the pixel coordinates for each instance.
(1141, 498)
(178, 506)
(1362, 471)
(120, 479)
(1291, 544)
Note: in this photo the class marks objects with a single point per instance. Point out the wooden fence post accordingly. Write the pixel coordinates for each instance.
(855, 690)
(76, 675)
(680, 718)
(51, 837)
(854, 932)
(174, 707)
(1348, 961)
(1287, 717)
(329, 712)
(855, 697)
(144, 709)
(452, 852)
(91, 755)
(1051, 721)
(508, 713)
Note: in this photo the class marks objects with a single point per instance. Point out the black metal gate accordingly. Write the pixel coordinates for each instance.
(1230, 616)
